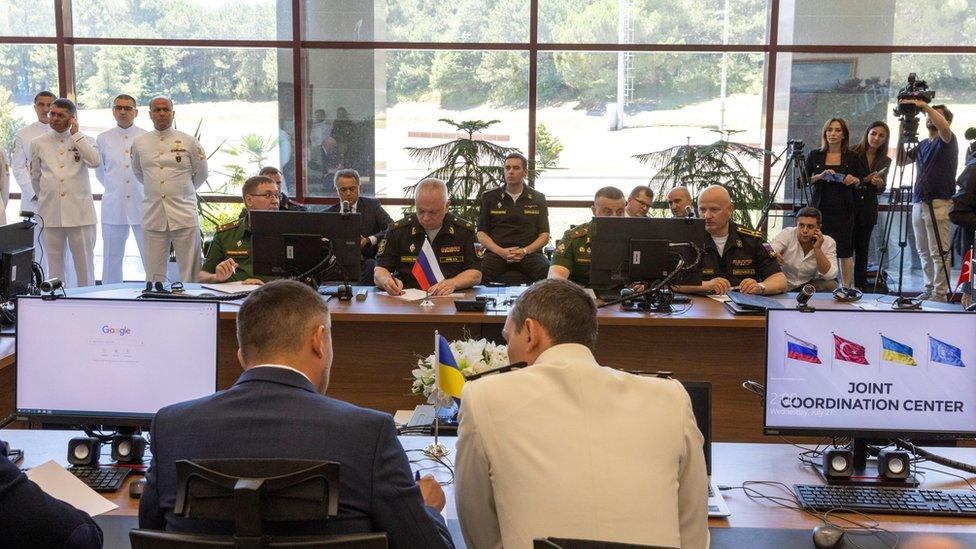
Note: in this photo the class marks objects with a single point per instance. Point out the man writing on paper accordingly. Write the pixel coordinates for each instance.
(450, 259)
(568, 448)
(229, 257)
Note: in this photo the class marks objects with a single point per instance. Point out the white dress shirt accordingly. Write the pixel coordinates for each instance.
(567, 448)
(801, 267)
(123, 196)
(171, 165)
(20, 162)
(59, 177)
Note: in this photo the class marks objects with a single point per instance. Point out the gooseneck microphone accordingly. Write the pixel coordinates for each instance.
(345, 207)
(689, 212)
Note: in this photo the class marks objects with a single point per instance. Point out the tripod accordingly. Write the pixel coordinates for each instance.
(796, 171)
(901, 197)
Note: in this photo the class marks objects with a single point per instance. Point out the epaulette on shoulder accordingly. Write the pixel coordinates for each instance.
(464, 223)
(578, 231)
(401, 222)
(748, 232)
(228, 226)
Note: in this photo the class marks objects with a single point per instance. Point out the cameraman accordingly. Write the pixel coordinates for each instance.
(963, 213)
(936, 159)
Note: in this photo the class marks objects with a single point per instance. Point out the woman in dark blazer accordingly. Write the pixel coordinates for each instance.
(834, 170)
(873, 154)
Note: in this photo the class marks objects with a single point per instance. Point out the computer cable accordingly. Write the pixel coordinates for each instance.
(441, 462)
(850, 526)
(935, 458)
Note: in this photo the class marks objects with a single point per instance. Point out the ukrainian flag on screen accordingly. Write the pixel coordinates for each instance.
(450, 380)
(892, 351)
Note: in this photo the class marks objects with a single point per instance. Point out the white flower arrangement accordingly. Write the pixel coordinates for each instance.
(473, 356)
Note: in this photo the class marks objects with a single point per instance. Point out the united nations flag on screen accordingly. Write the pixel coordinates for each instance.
(943, 353)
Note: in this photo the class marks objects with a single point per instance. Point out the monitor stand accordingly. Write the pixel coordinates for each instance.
(862, 475)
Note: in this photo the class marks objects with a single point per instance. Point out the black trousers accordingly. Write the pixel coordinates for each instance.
(862, 242)
(533, 267)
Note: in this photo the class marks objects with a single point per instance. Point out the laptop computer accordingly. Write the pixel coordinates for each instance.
(701, 404)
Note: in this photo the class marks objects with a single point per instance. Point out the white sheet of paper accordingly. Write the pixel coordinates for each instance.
(58, 483)
(230, 287)
(416, 294)
(720, 298)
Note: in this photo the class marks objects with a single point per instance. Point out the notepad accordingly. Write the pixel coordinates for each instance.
(60, 484)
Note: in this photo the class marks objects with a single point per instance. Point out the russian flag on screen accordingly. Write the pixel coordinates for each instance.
(797, 349)
(426, 270)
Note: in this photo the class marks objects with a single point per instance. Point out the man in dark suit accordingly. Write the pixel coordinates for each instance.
(373, 219)
(31, 518)
(277, 410)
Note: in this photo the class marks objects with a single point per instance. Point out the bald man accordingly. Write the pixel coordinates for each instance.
(734, 257)
(678, 200)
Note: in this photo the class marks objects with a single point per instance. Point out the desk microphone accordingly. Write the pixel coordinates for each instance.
(345, 207)
(803, 296)
(689, 212)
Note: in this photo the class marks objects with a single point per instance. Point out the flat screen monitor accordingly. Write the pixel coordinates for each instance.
(112, 362)
(871, 374)
(16, 258)
(642, 249)
(286, 243)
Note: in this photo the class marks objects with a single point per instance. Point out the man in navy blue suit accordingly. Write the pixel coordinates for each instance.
(373, 219)
(31, 518)
(277, 409)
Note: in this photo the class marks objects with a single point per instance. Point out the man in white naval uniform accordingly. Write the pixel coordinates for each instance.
(171, 165)
(59, 166)
(123, 196)
(20, 163)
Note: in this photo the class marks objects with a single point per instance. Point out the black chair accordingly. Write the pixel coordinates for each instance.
(250, 493)
(565, 543)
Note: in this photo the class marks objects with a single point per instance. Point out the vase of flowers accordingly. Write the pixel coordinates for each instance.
(473, 356)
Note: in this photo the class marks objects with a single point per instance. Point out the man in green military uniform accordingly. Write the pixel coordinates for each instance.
(571, 260)
(451, 238)
(229, 256)
(734, 257)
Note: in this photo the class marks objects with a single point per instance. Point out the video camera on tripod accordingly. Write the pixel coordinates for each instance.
(908, 112)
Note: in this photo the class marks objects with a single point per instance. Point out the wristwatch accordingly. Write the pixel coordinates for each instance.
(762, 287)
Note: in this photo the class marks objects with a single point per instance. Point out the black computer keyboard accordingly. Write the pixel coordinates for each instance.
(101, 479)
(901, 501)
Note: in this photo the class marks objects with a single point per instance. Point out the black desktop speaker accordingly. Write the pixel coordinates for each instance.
(838, 463)
(84, 451)
(894, 464)
(128, 448)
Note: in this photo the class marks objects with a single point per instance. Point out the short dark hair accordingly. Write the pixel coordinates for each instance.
(810, 211)
(563, 308)
(613, 193)
(641, 189)
(254, 182)
(945, 112)
(44, 93)
(65, 104)
(348, 172)
(525, 162)
(269, 170)
(275, 319)
(125, 97)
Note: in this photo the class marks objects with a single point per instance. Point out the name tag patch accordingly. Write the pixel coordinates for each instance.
(450, 249)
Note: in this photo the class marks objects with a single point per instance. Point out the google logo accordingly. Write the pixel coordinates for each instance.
(106, 329)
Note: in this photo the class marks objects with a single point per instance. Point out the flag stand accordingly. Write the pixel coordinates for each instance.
(436, 450)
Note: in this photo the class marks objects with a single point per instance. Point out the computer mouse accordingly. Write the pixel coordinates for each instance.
(827, 536)
(136, 487)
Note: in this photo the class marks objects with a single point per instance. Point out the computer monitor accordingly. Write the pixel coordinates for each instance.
(285, 243)
(871, 374)
(112, 362)
(16, 258)
(642, 249)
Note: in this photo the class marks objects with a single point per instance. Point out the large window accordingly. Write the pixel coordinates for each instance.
(18, 18)
(184, 19)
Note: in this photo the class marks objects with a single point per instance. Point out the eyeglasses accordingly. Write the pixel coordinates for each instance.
(125, 108)
(269, 195)
(642, 203)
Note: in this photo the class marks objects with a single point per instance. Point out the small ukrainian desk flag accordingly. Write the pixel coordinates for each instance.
(450, 380)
